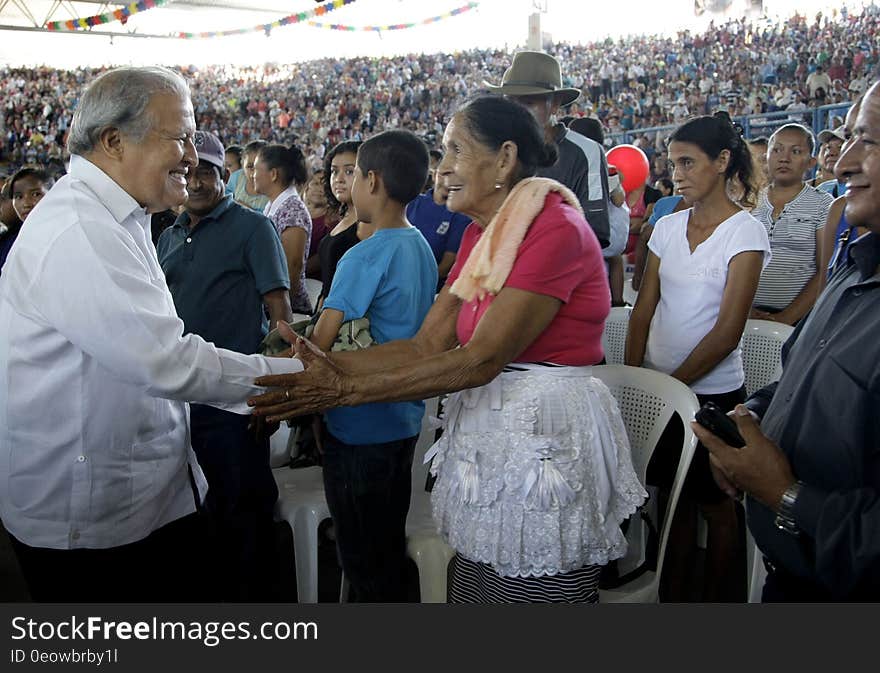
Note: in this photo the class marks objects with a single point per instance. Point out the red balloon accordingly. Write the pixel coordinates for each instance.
(632, 164)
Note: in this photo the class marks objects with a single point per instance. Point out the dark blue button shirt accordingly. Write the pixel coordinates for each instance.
(219, 271)
(441, 227)
(825, 416)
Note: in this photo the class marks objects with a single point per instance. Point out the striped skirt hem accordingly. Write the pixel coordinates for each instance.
(474, 582)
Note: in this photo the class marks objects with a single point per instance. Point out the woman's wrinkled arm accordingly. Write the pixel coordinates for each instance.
(402, 372)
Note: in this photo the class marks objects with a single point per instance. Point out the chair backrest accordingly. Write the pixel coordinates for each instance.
(647, 400)
(313, 289)
(614, 336)
(425, 442)
(761, 350)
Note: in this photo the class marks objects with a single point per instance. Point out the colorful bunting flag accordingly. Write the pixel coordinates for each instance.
(120, 14)
(396, 26)
(300, 17)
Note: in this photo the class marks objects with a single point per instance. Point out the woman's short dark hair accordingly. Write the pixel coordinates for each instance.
(345, 147)
(29, 172)
(254, 146)
(290, 163)
(714, 134)
(667, 183)
(401, 158)
(809, 138)
(493, 120)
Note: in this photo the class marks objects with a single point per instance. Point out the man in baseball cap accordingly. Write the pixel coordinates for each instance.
(535, 80)
(223, 262)
(830, 143)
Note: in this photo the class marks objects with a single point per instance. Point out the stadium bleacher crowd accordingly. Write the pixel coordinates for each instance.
(289, 164)
(629, 83)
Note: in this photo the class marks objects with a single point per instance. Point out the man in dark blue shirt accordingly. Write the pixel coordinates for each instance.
(223, 262)
(441, 227)
(811, 471)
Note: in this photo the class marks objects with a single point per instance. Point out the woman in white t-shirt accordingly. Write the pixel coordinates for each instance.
(702, 272)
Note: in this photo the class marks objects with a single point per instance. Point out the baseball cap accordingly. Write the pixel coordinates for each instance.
(209, 148)
(828, 134)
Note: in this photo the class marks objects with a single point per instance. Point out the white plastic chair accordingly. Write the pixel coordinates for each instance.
(424, 545)
(757, 573)
(313, 289)
(629, 295)
(303, 505)
(761, 349)
(614, 336)
(762, 360)
(279, 446)
(647, 399)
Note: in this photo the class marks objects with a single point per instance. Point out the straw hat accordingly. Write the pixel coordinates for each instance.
(534, 72)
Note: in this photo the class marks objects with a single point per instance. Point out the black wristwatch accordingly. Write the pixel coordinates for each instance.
(785, 516)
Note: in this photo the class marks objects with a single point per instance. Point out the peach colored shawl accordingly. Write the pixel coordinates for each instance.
(491, 259)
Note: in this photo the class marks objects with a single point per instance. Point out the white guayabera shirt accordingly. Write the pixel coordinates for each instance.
(95, 373)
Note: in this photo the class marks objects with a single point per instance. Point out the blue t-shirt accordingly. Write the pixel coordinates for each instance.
(390, 278)
(441, 227)
(663, 206)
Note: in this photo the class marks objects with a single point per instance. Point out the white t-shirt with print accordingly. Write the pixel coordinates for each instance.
(691, 287)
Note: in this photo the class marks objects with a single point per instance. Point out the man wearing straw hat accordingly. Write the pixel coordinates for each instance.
(535, 80)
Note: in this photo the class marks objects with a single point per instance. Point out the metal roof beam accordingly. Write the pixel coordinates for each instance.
(83, 32)
(24, 10)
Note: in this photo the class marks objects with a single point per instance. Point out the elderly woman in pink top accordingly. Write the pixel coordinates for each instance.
(533, 470)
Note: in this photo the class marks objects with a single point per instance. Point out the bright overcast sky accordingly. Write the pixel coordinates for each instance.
(496, 23)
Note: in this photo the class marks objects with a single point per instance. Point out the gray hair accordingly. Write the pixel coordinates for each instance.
(118, 99)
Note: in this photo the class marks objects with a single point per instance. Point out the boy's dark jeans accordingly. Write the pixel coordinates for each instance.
(368, 490)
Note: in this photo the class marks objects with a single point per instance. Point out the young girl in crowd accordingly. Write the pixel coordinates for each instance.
(25, 189)
(322, 220)
(702, 272)
(278, 173)
(339, 166)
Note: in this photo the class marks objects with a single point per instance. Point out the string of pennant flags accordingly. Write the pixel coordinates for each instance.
(120, 14)
(267, 28)
(397, 26)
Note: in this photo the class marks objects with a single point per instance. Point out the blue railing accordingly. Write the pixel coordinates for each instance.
(753, 125)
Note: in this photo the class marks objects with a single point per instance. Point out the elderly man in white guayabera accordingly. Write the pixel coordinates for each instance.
(98, 484)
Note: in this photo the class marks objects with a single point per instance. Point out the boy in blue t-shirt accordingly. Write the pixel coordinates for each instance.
(368, 450)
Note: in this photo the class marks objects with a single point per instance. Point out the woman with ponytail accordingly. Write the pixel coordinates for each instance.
(279, 171)
(534, 474)
(701, 276)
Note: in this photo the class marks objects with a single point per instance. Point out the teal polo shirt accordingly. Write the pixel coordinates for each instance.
(219, 271)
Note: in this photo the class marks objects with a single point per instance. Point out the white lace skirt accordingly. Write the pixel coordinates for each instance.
(534, 474)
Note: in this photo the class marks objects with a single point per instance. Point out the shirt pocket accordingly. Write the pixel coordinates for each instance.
(797, 234)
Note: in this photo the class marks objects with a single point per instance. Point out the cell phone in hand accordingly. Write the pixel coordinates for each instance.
(719, 424)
